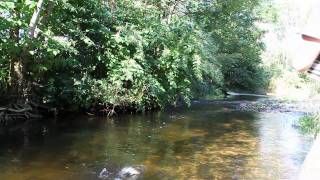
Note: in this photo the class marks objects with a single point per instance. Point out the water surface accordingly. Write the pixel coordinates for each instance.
(206, 141)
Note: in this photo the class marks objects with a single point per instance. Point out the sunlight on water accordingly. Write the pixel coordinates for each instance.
(205, 142)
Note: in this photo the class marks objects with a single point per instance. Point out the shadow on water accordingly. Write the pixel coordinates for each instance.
(207, 141)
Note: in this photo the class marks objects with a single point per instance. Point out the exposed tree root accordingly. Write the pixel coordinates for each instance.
(14, 113)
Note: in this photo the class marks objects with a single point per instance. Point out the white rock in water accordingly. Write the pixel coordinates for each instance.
(130, 171)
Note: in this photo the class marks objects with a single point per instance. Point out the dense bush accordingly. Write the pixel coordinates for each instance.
(129, 53)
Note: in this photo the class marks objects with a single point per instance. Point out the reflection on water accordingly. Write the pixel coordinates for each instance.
(207, 141)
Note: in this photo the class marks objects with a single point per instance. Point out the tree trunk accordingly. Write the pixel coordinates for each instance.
(25, 57)
(35, 19)
(15, 75)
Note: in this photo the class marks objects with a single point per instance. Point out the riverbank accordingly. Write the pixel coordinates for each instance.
(272, 105)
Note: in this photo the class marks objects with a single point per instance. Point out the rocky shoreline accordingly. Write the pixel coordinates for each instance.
(273, 105)
(270, 105)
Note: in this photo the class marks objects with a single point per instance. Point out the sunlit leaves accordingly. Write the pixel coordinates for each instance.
(7, 5)
(87, 40)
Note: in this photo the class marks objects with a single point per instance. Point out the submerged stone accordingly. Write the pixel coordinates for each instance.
(104, 174)
(130, 173)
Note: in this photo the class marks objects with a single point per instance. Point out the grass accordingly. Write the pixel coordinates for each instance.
(310, 124)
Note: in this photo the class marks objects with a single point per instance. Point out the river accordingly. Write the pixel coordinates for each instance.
(206, 141)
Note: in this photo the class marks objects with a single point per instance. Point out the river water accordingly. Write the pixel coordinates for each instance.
(207, 141)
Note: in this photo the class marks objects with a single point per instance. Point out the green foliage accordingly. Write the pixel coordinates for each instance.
(238, 39)
(241, 74)
(310, 124)
(130, 53)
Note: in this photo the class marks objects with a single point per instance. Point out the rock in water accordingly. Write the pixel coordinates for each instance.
(130, 173)
(104, 174)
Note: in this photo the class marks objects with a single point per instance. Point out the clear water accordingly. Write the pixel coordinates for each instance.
(206, 141)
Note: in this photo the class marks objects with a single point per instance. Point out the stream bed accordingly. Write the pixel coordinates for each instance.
(206, 141)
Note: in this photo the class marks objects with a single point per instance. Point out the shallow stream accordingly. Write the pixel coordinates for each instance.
(206, 141)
